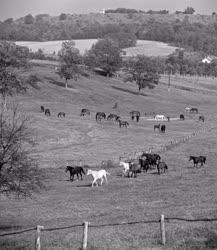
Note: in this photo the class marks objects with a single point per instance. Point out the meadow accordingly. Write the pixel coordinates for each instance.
(184, 191)
(143, 47)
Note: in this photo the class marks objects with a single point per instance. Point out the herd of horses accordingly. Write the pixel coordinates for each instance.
(145, 163)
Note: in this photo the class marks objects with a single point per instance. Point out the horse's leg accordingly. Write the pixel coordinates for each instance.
(106, 179)
(101, 181)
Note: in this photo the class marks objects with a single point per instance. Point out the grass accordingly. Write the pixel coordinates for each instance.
(182, 192)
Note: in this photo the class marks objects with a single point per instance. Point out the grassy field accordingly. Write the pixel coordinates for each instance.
(182, 192)
(148, 48)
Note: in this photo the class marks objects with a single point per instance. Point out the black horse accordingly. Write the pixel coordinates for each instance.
(100, 116)
(161, 167)
(181, 117)
(152, 159)
(157, 127)
(112, 117)
(135, 114)
(192, 110)
(123, 124)
(134, 170)
(163, 128)
(198, 159)
(61, 114)
(201, 118)
(42, 108)
(47, 112)
(85, 112)
(75, 171)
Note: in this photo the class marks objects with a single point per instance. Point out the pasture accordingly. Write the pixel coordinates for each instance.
(143, 47)
(183, 191)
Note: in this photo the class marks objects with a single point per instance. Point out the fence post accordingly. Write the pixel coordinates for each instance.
(162, 228)
(38, 242)
(84, 245)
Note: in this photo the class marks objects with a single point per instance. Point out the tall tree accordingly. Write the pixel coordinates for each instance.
(70, 59)
(19, 172)
(144, 71)
(11, 57)
(104, 54)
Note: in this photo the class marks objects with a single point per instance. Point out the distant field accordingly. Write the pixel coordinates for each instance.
(55, 46)
(148, 48)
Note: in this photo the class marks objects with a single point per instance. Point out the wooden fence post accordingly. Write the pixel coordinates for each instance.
(84, 245)
(162, 228)
(38, 242)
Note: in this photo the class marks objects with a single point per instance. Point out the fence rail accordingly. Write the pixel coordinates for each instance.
(86, 225)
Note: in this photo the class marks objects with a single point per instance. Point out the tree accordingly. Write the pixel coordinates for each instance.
(105, 54)
(144, 71)
(70, 59)
(189, 10)
(19, 172)
(29, 19)
(11, 56)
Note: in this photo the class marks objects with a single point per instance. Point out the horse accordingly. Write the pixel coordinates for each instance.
(100, 116)
(198, 159)
(134, 169)
(112, 117)
(201, 118)
(42, 108)
(85, 112)
(192, 110)
(75, 171)
(157, 127)
(47, 112)
(61, 114)
(123, 124)
(152, 159)
(163, 128)
(161, 167)
(135, 114)
(98, 175)
(181, 117)
(115, 106)
(126, 167)
(144, 164)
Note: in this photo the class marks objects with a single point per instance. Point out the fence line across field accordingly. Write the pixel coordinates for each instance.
(40, 229)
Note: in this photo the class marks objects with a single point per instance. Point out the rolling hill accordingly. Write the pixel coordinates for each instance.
(183, 191)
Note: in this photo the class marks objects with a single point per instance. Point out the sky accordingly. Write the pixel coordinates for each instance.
(20, 8)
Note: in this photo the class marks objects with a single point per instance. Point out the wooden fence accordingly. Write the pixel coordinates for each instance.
(86, 225)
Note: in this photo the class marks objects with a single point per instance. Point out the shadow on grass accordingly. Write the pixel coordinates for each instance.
(58, 83)
(84, 185)
(211, 242)
(9, 227)
(129, 91)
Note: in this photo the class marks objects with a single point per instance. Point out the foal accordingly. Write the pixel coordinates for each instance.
(98, 175)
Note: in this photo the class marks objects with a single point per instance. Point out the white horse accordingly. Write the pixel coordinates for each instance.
(98, 175)
(126, 166)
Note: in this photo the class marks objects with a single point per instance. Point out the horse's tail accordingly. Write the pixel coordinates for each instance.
(82, 170)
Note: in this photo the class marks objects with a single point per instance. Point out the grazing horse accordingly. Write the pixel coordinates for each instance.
(42, 108)
(198, 159)
(61, 114)
(75, 171)
(157, 127)
(85, 112)
(161, 167)
(163, 128)
(144, 164)
(100, 174)
(47, 112)
(181, 117)
(201, 118)
(135, 114)
(123, 124)
(112, 117)
(100, 116)
(126, 167)
(192, 110)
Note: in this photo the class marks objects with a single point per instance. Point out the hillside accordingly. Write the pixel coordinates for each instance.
(183, 191)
